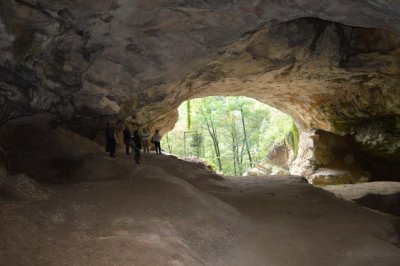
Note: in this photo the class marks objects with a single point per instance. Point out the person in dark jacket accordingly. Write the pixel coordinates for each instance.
(111, 140)
(156, 139)
(106, 135)
(137, 144)
(127, 139)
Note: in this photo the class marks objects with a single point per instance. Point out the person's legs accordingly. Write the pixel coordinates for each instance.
(137, 155)
(113, 146)
(108, 145)
(158, 147)
(127, 148)
(145, 146)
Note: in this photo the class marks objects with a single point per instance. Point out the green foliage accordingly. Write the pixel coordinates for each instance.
(292, 139)
(274, 131)
(189, 113)
(230, 133)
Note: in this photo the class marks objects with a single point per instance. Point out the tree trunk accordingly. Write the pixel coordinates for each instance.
(234, 161)
(245, 138)
(213, 134)
(235, 147)
(168, 143)
(188, 115)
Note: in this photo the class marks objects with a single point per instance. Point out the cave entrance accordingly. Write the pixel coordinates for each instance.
(234, 135)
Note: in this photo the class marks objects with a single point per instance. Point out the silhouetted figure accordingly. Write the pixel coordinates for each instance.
(145, 140)
(127, 139)
(4, 158)
(137, 145)
(156, 140)
(107, 134)
(111, 140)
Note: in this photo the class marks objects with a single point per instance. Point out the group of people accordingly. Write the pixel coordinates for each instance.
(136, 141)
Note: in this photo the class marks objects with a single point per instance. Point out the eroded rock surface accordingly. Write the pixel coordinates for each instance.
(90, 61)
(326, 158)
(170, 212)
(128, 59)
(41, 148)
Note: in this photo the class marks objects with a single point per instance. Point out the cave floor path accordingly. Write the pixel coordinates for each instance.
(170, 212)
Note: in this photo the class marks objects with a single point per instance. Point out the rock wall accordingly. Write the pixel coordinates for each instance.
(325, 75)
(41, 148)
(4, 166)
(280, 155)
(135, 61)
(139, 60)
(326, 158)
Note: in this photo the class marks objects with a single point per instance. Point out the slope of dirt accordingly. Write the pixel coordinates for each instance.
(170, 212)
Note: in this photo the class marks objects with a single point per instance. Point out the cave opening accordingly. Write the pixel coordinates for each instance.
(234, 135)
(68, 67)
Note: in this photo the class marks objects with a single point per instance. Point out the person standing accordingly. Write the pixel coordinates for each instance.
(137, 145)
(111, 140)
(107, 134)
(156, 140)
(127, 139)
(145, 140)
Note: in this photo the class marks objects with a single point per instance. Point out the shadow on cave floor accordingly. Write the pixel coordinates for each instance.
(384, 203)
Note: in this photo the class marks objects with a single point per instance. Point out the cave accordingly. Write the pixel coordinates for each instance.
(69, 67)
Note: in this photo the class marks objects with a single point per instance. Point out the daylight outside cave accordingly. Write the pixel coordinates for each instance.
(234, 136)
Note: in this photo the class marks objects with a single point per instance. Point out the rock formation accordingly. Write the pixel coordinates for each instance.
(331, 65)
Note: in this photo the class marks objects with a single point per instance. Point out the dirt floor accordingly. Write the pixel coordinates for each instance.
(169, 212)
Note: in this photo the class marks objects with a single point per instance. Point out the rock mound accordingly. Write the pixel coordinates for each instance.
(22, 187)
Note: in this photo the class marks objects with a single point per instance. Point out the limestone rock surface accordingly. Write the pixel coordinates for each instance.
(332, 65)
(140, 59)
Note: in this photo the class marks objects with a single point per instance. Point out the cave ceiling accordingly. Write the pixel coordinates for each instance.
(331, 65)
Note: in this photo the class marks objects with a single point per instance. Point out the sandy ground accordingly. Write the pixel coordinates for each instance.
(170, 212)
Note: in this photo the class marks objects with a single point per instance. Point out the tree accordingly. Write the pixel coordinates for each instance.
(169, 143)
(246, 140)
(208, 118)
(233, 133)
(189, 115)
(234, 143)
